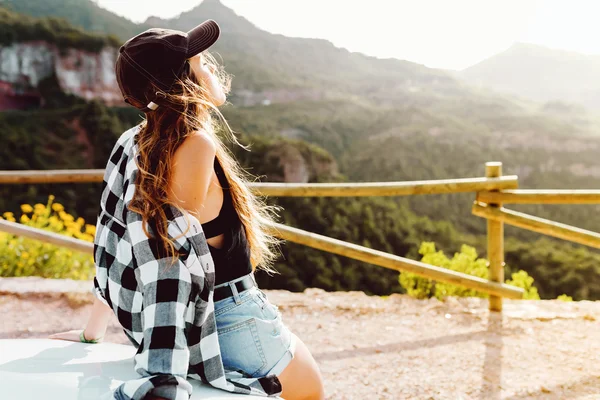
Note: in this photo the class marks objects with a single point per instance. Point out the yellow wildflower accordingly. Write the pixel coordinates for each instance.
(24, 219)
(57, 207)
(39, 209)
(8, 214)
(25, 255)
(90, 229)
(80, 221)
(26, 208)
(65, 216)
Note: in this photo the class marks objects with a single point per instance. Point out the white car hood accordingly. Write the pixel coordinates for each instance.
(56, 369)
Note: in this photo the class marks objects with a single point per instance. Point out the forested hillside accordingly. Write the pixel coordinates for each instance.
(377, 120)
(82, 14)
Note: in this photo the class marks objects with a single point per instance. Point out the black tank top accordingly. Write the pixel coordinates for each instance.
(232, 260)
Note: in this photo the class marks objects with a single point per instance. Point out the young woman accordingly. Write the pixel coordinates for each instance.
(171, 310)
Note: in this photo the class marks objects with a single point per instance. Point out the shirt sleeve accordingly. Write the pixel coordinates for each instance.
(162, 358)
(98, 293)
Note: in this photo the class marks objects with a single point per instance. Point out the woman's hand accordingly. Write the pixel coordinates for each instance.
(70, 335)
(96, 326)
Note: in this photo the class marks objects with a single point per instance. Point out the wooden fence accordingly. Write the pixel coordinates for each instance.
(492, 192)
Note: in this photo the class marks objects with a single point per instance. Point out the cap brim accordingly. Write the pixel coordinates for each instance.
(202, 37)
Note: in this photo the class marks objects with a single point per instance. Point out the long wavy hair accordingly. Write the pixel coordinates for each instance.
(184, 110)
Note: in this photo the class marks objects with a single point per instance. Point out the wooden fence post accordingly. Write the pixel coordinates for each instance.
(495, 241)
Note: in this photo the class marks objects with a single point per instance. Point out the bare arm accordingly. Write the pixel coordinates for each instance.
(98, 320)
(95, 328)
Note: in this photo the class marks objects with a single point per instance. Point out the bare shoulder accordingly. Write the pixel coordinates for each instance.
(196, 148)
(192, 170)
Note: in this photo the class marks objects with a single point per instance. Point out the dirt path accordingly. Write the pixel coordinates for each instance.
(401, 348)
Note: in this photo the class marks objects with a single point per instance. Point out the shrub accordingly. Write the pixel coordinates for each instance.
(564, 297)
(466, 261)
(20, 256)
(523, 280)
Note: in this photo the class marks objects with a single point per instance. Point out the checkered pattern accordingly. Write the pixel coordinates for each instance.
(166, 312)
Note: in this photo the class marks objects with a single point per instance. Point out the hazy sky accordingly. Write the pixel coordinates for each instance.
(451, 34)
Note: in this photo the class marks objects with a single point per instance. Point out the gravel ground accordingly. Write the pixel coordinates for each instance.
(396, 347)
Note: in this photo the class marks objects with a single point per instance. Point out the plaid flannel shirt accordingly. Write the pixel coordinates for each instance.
(166, 312)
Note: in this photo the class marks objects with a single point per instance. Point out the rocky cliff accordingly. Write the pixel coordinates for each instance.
(85, 74)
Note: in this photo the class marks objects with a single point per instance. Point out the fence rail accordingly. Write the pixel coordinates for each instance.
(394, 262)
(492, 192)
(52, 176)
(384, 188)
(536, 224)
(294, 189)
(541, 197)
(46, 236)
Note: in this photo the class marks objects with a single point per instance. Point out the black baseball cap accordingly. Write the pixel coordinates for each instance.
(159, 56)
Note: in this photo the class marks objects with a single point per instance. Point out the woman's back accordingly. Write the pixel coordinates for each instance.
(193, 183)
(223, 230)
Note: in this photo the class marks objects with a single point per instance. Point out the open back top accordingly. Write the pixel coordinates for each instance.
(232, 260)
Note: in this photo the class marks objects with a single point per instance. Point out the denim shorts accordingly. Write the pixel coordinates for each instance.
(251, 333)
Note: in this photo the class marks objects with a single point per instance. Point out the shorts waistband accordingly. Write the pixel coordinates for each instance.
(233, 288)
(236, 280)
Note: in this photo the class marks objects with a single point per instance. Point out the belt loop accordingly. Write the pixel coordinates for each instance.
(236, 295)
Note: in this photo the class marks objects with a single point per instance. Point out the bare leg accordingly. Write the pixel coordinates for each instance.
(301, 379)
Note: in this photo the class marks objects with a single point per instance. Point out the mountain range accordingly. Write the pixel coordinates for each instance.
(273, 64)
(354, 105)
(541, 74)
(383, 119)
